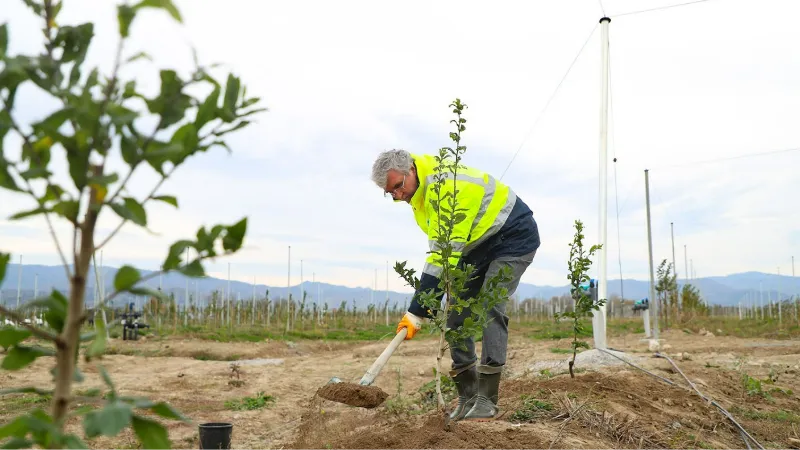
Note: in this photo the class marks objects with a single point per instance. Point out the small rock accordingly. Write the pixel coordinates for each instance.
(667, 401)
(709, 334)
(291, 344)
(676, 425)
(421, 372)
(686, 357)
(653, 345)
(512, 355)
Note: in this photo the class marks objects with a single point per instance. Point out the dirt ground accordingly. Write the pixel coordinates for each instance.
(603, 407)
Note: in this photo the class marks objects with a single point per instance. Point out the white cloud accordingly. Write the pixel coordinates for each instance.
(345, 80)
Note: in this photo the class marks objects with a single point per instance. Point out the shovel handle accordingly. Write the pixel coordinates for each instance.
(376, 367)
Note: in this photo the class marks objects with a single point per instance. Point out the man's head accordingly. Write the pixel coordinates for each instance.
(394, 172)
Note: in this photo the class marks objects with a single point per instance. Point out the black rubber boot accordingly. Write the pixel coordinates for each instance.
(485, 407)
(467, 386)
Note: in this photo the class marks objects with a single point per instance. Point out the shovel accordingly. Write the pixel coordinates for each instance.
(362, 394)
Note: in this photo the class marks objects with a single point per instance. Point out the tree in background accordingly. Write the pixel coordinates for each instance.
(693, 304)
(578, 264)
(666, 291)
(100, 118)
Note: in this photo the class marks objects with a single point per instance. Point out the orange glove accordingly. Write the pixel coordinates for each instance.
(410, 322)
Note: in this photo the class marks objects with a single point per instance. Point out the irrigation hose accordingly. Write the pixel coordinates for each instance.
(711, 401)
(724, 412)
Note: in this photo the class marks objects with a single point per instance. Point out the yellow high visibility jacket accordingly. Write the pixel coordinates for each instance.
(485, 201)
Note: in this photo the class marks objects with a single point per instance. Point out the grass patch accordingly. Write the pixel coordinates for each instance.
(17, 403)
(782, 415)
(532, 408)
(259, 401)
(564, 351)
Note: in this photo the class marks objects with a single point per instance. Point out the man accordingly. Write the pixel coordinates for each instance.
(499, 231)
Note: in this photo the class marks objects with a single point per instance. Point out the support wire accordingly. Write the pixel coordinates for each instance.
(541, 113)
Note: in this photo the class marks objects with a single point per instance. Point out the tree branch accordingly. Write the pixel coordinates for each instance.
(38, 332)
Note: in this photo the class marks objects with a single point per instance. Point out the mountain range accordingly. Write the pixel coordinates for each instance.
(721, 290)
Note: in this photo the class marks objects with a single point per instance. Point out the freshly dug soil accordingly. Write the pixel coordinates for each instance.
(353, 394)
(366, 430)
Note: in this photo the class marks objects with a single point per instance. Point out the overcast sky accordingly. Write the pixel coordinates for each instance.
(345, 80)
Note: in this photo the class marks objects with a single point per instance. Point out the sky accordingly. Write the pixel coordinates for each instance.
(692, 88)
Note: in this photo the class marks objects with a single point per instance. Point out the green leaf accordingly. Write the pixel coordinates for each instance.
(126, 277)
(10, 336)
(164, 4)
(18, 442)
(167, 199)
(171, 103)
(109, 421)
(193, 269)
(67, 209)
(21, 356)
(4, 259)
(150, 433)
(103, 180)
(165, 410)
(24, 214)
(131, 210)
(107, 379)
(174, 259)
(207, 111)
(72, 441)
(186, 137)
(3, 40)
(231, 95)
(17, 428)
(6, 180)
(149, 292)
(125, 15)
(235, 235)
(74, 41)
(140, 55)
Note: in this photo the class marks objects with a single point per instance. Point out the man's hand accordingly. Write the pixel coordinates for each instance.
(410, 322)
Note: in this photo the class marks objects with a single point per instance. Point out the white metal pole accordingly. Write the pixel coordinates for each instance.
(653, 299)
(302, 293)
(228, 295)
(289, 290)
(674, 267)
(387, 293)
(19, 281)
(780, 313)
(186, 295)
(599, 318)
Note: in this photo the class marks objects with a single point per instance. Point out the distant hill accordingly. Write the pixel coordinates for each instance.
(722, 290)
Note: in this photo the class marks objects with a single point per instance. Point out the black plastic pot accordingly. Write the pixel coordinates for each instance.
(215, 435)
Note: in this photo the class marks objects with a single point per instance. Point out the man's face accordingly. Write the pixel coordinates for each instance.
(399, 186)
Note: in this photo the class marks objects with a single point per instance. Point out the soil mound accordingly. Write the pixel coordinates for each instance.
(353, 394)
(430, 434)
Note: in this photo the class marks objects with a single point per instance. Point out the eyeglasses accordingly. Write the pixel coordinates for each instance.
(396, 188)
